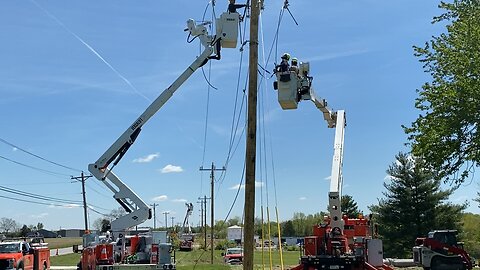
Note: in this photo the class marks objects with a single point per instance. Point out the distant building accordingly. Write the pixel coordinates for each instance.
(71, 232)
(235, 233)
(43, 233)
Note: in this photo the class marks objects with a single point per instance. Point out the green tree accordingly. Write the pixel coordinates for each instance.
(234, 221)
(39, 226)
(413, 205)
(220, 229)
(446, 132)
(8, 225)
(349, 207)
(471, 234)
(288, 230)
(24, 230)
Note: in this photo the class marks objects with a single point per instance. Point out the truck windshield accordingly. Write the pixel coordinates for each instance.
(9, 248)
(234, 251)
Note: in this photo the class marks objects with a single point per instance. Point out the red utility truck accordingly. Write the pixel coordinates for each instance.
(22, 255)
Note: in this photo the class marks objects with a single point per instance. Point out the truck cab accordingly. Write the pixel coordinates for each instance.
(20, 254)
(441, 250)
(233, 255)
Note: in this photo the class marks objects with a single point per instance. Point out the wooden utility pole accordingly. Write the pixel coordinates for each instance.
(251, 147)
(212, 208)
(82, 178)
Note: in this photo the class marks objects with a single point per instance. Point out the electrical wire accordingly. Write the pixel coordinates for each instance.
(37, 156)
(36, 196)
(23, 183)
(35, 168)
(34, 202)
(96, 191)
(95, 211)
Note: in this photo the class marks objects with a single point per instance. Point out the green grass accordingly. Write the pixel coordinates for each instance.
(290, 258)
(204, 267)
(187, 260)
(65, 260)
(54, 243)
(200, 257)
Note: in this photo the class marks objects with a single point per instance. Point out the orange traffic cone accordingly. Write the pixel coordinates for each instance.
(103, 254)
(56, 253)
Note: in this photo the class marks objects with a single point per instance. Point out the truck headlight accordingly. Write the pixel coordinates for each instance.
(11, 263)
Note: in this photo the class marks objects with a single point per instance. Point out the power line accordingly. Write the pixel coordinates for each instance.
(34, 202)
(37, 156)
(23, 183)
(35, 168)
(36, 196)
(45, 198)
(93, 210)
(96, 191)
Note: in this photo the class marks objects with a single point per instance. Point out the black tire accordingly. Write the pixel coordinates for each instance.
(20, 267)
(45, 266)
(435, 263)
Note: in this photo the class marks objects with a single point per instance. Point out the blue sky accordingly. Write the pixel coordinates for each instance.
(62, 102)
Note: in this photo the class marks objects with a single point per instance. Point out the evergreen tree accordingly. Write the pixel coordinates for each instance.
(349, 207)
(413, 205)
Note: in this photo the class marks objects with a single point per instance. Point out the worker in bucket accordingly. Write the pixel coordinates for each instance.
(232, 7)
(283, 69)
(294, 66)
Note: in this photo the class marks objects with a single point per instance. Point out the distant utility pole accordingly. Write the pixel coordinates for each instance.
(201, 211)
(203, 203)
(212, 209)
(172, 218)
(82, 178)
(154, 216)
(166, 218)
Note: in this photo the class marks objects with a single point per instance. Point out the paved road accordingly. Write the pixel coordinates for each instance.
(62, 251)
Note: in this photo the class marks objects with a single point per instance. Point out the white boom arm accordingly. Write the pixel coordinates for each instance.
(186, 223)
(138, 211)
(296, 86)
(336, 181)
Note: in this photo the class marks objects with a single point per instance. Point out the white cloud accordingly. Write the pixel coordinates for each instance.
(14, 149)
(171, 169)
(335, 55)
(160, 198)
(302, 198)
(180, 200)
(328, 178)
(68, 206)
(257, 185)
(147, 158)
(42, 215)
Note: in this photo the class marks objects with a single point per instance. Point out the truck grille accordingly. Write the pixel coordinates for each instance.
(4, 264)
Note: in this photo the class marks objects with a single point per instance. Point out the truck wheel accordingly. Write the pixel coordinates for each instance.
(434, 263)
(20, 267)
(45, 266)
